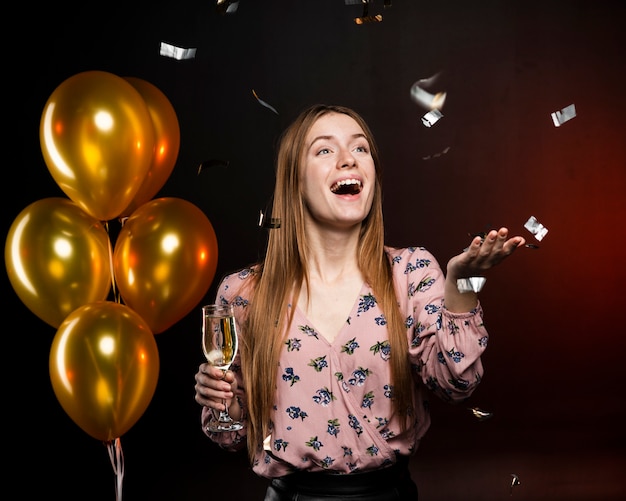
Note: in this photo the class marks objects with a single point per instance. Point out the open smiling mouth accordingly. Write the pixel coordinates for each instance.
(347, 187)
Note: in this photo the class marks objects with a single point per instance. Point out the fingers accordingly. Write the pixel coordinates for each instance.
(212, 387)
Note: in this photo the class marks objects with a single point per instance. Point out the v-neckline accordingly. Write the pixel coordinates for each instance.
(351, 313)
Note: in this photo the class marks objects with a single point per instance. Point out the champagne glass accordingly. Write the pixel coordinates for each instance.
(219, 342)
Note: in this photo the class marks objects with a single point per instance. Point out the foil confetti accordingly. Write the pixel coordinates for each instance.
(263, 103)
(514, 482)
(227, 6)
(169, 50)
(214, 162)
(431, 118)
(267, 443)
(560, 117)
(421, 96)
(471, 284)
(480, 414)
(273, 222)
(536, 228)
(482, 236)
(437, 155)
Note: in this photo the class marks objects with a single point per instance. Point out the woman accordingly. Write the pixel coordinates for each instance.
(342, 336)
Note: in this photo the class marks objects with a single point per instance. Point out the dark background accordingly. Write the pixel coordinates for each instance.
(555, 365)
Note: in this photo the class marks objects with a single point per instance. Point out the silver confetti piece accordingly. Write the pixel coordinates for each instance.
(560, 117)
(227, 6)
(169, 50)
(536, 228)
(421, 96)
(514, 482)
(437, 155)
(471, 284)
(431, 118)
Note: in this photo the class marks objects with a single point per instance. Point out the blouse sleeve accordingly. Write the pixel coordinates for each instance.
(445, 348)
(228, 293)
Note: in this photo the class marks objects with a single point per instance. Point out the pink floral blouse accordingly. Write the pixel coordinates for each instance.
(333, 407)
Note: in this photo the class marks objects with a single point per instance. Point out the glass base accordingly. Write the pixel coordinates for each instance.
(220, 427)
(223, 422)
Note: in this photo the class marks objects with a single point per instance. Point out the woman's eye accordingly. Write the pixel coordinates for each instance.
(323, 151)
(362, 149)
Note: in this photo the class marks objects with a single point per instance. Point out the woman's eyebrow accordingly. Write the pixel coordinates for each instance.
(330, 137)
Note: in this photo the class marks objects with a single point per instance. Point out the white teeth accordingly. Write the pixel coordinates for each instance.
(345, 182)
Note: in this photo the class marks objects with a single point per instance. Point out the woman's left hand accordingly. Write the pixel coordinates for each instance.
(483, 254)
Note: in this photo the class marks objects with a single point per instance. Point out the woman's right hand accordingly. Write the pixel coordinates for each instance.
(214, 386)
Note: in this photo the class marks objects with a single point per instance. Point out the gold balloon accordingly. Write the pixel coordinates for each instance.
(166, 142)
(164, 260)
(104, 367)
(97, 140)
(57, 258)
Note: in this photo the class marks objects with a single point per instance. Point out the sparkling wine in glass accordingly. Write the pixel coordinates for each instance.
(219, 342)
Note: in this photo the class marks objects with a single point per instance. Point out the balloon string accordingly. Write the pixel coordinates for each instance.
(116, 455)
(116, 295)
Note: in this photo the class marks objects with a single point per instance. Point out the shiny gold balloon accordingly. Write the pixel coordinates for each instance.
(57, 258)
(97, 140)
(104, 368)
(164, 260)
(166, 142)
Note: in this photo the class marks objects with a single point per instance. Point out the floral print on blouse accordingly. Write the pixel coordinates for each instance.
(333, 409)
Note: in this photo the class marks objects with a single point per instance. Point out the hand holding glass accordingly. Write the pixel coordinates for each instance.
(220, 343)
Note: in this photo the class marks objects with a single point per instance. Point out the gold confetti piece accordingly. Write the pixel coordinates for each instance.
(365, 17)
(471, 284)
(263, 102)
(480, 414)
(169, 50)
(368, 19)
(214, 162)
(431, 118)
(560, 117)
(536, 228)
(273, 222)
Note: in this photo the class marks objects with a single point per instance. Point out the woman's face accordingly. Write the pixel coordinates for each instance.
(338, 172)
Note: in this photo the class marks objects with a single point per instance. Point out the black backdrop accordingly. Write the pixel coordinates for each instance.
(554, 366)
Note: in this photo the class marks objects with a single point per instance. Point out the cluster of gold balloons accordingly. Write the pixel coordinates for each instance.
(110, 143)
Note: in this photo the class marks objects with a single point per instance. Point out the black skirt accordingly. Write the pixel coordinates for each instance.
(393, 483)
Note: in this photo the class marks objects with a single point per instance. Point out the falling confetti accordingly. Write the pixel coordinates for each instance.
(514, 482)
(560, 117)
(425, 99)
(365, 17)
(273, 222)
(481, 234)
(179, 53)
(263, 102)
(214, 162)
(536, 228)
(431, 118)
(480, 414)
(227, 6)
(437, 155)
(471, 284)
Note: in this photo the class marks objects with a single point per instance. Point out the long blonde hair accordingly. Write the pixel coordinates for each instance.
(284, 269)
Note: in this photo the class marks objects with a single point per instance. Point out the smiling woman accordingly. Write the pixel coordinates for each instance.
(333, 322)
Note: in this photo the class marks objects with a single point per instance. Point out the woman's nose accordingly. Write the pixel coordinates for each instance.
(347, 160)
